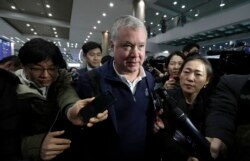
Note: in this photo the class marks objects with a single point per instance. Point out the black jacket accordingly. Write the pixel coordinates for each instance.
(9, 117)
(168, 147)
(228, 117)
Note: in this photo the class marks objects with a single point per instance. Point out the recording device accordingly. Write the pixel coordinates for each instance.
(233, 60)
(101, 102)
(184, 124)
(156, 67)
(150, 63)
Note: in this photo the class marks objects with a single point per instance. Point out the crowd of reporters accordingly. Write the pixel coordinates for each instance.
(35, 110)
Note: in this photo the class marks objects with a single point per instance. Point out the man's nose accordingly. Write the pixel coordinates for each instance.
(45, 73)
(135, 50)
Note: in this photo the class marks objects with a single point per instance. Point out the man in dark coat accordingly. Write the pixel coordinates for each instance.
(228, 123)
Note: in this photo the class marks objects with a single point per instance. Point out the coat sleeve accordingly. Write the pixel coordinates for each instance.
(222, 111)
(31, 146)
(67, 95)
(84, 88)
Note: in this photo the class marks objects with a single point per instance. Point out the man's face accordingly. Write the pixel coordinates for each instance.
(129, 49)
(43, 74)
(93, 58)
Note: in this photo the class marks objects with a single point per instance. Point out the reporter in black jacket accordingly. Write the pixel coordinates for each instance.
(172, 142)
(228, 121)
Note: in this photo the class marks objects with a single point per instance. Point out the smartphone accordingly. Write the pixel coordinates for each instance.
(98, 105)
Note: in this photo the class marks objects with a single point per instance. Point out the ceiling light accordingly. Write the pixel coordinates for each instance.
(13, 7)
(32, 29)
(28, 25)
(104, 14)
(94, 27)
(54, 28)
(175, 3)
(222, 4)
(164, 16)
(90, 33)
(50, 14)
(47, 6)
(183, 6)
(98, 21)
(111, 4)
(197, 13)
(157, 13)
(35, 33)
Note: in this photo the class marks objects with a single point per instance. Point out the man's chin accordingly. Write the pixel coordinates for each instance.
(44, 84)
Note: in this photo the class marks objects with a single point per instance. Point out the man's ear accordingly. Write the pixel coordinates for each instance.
(9, 65)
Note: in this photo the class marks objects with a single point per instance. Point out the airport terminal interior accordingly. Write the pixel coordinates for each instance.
(215, 25)
(72, 89)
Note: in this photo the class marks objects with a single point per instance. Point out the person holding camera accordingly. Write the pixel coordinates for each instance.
(173, 64)
(46, 91)
(174, 142)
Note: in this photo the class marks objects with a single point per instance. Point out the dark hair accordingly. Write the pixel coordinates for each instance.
(189, 46)
(178, 53)
(106, 58)
(37, 50)
(89, 46)
(207, 64)
(12, 58)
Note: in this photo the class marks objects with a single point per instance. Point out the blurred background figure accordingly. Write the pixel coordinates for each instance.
(92, 53)
(191, 48)
(10, 63)
(173, 64)
(106, 58)
(74, 75)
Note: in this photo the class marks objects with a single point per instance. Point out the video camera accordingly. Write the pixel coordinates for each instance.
(232, 60)
(156, 67)
(162, 100)
(150, 63)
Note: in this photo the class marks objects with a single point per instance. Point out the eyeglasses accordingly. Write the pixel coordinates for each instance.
(39, 71)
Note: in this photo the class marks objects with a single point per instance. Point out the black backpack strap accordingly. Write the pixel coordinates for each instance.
(94, 79)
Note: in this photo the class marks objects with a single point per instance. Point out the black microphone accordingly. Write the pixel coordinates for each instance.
(187, 128)
(185, 125)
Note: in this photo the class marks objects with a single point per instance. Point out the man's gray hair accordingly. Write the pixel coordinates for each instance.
(126, 21)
